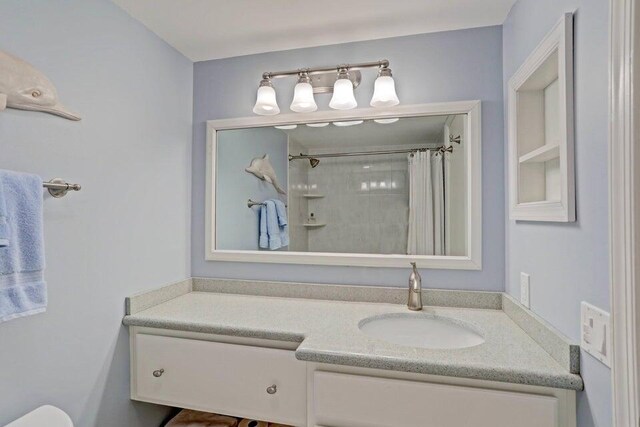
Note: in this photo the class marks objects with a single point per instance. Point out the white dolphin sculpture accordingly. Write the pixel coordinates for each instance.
(261, 167)
(23, 87)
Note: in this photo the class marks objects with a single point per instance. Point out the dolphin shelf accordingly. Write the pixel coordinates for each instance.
(23, 87)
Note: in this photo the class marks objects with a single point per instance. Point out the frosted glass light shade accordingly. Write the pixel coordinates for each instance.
(303, 101)
(384, 92)
(343, 98)
(318, 125)
(348, 123)
(386, 121)
(266, 104)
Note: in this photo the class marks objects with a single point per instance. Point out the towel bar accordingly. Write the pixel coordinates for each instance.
(58, 187)
(251, 203)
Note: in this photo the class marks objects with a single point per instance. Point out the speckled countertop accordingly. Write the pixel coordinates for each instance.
(328, 333)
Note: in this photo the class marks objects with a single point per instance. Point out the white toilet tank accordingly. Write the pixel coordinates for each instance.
(46, 415)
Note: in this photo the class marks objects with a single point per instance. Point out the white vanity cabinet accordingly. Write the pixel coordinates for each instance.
(263, 380)
(348, 400)
(240, 380)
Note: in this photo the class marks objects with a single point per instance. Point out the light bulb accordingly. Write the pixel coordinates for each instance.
(343, 98)
(303, 101)
(266, 104)
(318, 125)
(384, 92)
(286, 127)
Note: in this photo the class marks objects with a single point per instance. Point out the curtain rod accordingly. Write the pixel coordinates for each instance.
(448, 149)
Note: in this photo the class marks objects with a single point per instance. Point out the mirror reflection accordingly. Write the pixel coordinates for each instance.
(384, 186)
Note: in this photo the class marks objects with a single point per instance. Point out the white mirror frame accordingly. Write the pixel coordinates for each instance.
(473, 134)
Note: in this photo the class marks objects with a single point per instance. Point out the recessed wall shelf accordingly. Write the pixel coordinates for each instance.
(541, 169)
(543, 154)
(313, 196)
(314, 225)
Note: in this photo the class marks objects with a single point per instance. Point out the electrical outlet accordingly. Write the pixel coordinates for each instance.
(525, 289)
(595, 332)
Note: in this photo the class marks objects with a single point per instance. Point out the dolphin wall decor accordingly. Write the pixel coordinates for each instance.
(23, 87)
(261, 167)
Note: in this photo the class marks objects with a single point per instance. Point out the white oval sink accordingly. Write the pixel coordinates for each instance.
(421, 330)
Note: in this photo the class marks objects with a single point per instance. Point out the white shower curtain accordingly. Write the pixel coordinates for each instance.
(426, 204)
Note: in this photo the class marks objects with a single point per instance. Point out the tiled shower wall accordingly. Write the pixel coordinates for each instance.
(365, 204)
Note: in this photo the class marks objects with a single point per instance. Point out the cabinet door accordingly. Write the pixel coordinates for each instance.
(252, 382)
(342, 400)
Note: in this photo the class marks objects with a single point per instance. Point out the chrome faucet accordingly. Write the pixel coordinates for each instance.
(415, 289)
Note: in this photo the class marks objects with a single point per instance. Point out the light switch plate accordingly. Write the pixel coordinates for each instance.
(525, 290)
(595, 327)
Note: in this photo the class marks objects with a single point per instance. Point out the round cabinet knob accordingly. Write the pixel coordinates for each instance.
(272, 389)
(158, 373)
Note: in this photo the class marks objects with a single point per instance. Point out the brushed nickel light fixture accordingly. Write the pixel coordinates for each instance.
(303, 101)
(340, 80)
(384, 92)
(266, 103)
(343, 98)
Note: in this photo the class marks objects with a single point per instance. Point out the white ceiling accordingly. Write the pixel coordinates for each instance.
(211, 29)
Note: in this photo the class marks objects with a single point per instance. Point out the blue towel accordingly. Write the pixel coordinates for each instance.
(273, 228)
(264, 236)
(281, 212)
(22, 287)
(4, 224)
(274, 232)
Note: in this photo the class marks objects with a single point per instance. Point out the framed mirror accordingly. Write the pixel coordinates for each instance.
(367, 187)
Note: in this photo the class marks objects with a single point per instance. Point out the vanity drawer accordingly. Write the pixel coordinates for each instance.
(343, 400)
(216, 377)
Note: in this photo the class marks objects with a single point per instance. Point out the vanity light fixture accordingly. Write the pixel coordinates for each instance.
(341, 80)
(348, 123)
(343, 98)
(386, 121)
(384, 91)
(318, 125)
(286, 127)
(266, 103)
(303, 101)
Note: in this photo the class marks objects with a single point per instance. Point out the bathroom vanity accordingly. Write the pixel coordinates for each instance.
(316, 355)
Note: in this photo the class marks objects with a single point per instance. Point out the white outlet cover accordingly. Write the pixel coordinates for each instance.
(595, 332)
(525, 290)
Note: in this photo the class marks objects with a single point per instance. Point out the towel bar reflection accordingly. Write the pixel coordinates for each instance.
(251, 203)
(58, 187)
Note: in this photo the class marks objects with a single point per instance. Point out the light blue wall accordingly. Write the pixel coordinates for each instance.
(237, 225)
(568, 263)
(126, 231)
(427, 68)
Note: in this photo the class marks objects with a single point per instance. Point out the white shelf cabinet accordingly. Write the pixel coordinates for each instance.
(540, 111)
